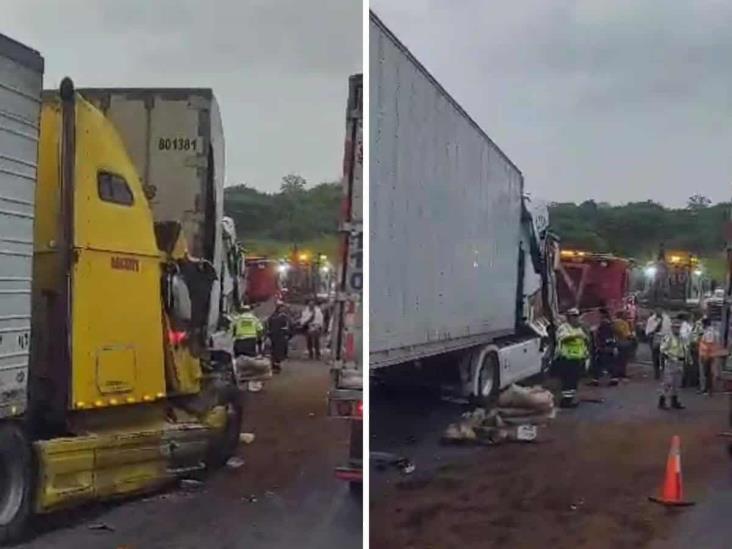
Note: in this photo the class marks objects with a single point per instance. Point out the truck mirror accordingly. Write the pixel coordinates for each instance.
(181, 305)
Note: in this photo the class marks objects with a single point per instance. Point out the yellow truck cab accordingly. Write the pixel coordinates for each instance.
(116, 392)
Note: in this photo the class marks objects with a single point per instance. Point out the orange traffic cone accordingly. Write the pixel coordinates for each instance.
(672, 491)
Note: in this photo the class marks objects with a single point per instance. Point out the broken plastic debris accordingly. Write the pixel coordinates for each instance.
(406, 467)
(101, 526)
(255, 386)
(526, 432)
(246, 438)
(190, 483)
(234, 462)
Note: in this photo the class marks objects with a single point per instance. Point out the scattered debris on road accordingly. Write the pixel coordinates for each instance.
(190, 484)
(234, 462)
(383, 460)
(101, 526)
(255, 386)
(518, 413)
(246, 438)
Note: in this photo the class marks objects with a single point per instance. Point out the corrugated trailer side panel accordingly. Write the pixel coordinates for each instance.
(175, 139)
(445, 207)
(21, 81)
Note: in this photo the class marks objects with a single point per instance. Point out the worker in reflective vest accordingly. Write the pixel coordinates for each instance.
(248, 333)
(572, 353)
(674, 351)
(709, 349)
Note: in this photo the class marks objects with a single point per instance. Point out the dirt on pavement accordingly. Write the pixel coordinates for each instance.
(586, 485)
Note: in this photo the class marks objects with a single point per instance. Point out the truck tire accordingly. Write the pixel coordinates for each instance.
(224, 445)
(17, 479)
(488, 381)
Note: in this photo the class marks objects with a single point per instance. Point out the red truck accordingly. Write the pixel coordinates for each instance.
(262, 279)
(590, 281)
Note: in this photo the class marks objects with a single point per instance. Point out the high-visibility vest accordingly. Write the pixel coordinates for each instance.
(247, 325)
(673, 347)
(708, 344)
(572, 342)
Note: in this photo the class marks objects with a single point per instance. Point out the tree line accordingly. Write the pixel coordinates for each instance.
(637, 229)
(296, 213)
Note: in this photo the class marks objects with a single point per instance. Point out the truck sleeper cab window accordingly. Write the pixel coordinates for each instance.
(113, 188)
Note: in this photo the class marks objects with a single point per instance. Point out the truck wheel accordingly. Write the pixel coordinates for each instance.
(17, 469)
(488, 381)
(225, 443)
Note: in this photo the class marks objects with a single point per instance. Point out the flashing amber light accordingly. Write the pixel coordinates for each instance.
(572, 253)
(675, 259)
(303, 257)
(176, 338)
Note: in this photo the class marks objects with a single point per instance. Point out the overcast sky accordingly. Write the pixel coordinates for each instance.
(278, 67)
(616, 100)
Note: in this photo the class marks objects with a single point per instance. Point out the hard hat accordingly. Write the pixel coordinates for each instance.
(574, 311)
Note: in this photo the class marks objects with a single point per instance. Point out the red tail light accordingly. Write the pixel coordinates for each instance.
(176, 338)
(350, 350)
(359, 408)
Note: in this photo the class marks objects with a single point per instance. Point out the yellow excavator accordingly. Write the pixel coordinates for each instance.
(120, 391)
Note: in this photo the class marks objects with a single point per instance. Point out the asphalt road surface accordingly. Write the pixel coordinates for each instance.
(585, 484)
(284, 496)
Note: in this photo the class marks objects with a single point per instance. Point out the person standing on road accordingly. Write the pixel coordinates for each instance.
(674, 353)
(606, 350)
(625, 338)
(686, 332)
(572, 353)
(311, 323)
(278, 330)
(708, 349)
(657, 327)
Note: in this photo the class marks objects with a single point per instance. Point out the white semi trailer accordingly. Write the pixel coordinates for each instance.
(461, 261)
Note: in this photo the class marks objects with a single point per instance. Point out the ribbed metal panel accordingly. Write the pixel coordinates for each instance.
(21, 80)
(445, 216)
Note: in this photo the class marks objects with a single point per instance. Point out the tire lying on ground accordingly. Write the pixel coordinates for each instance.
(17, 474)
(223, 446)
